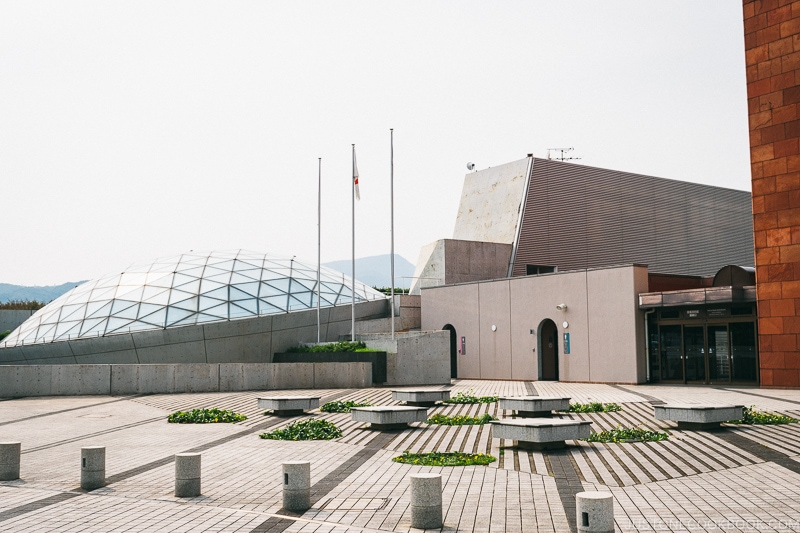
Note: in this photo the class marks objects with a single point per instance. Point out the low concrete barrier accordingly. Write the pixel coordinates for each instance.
(116, 380)
(9, 460)
(296, 485)
(93, 467)
(426, 501)
(594, 512)
(187, 475)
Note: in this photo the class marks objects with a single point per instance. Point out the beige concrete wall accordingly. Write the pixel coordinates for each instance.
(604, 323)
(414, 357)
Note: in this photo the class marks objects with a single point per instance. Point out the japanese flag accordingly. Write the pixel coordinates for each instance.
(355, 176)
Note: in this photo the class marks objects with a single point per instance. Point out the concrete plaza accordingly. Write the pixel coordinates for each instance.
(739, 478)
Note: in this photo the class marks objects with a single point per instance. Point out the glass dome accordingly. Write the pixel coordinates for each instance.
(188, 289)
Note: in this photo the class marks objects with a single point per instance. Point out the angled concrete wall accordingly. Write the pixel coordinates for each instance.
(415, 357)
(246, 340)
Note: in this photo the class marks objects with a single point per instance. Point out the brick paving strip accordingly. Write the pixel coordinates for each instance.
(530, 389)
(759, 450)
(329, 482)
(568, 483)
(651, 399)
(36, 505)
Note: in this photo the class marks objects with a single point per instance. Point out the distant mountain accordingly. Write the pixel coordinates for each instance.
(376, 271)
(46, 294)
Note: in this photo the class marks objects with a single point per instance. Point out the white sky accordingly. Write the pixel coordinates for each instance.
(134, 130)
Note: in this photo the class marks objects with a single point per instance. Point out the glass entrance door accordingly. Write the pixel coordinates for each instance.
(719, 361)
(671, 353)
(694, 351)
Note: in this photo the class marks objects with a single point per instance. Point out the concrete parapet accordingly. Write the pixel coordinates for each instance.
(9, 460)
(187, 475)
(420, 397)
(296, 485)
(695, 416)
(540, 433)
(534, 406)
(594, 512)
(289, 405)
(93, 467)
(388, 417)
(426, 501)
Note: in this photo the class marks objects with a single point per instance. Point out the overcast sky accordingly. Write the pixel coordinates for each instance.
(135, 130)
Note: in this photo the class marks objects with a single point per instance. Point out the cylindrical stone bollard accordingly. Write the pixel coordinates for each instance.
(9, 460)
(426, 501)
(296, 485)
(93, 467)
(187, 475)
(595, 511)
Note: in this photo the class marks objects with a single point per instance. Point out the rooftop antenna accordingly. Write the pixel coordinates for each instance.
(563, 156)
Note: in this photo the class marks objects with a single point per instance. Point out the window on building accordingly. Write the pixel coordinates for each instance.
(539, 269)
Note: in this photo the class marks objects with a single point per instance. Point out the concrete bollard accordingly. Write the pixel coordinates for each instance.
(595, 511)
(187, 475)
(296, 485)
(93, 467)
(426, 501)
(9, 460)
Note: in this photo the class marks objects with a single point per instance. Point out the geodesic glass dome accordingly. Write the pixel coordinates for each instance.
(187, 289)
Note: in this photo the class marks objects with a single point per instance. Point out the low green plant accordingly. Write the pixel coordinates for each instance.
(594, 407)
(459, 420)
(22, 305)
(205, 416)
(470, 398)
(342, 346)
(754, 416)
(339, 406)
(443, 459)
(388, 290)
(623, 434)
(314, 429)
(4, 334)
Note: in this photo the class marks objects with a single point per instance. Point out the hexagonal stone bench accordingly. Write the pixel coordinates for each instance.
(389, 416)
(420, 397)
(288, 405)
(534, 406)
(694, 416)
(541, 433)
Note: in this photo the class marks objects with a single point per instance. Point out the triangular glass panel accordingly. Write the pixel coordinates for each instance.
(207, 303)
(220, 311)
(160, 279)
(129, 293)
(191, 287)
(242, 277)
(280, 302)
(103, 294)
(176, 315)
(220, 293)
(121, 305)
(189, 304)
(281, 285)
(250, 289)
(179, 296)
(235, 294)
(130, 313)
(157, 318)
(158, 298)
(266, 308)
(208, 286)
(67, 312)
(117, 324)
(64, 328)
(244, 308)
(93, 326)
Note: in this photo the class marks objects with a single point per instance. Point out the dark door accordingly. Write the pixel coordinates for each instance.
(694, 353)
(453, 351)
(671, 353)
(549, 351)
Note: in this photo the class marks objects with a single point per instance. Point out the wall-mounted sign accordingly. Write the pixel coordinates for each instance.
(692, 313)
(712, 313)
(463, 345)
(566, 343)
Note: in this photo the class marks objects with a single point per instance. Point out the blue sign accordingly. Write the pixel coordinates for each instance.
(566, 342)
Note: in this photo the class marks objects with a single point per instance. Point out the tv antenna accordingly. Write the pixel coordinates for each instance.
(563, 156)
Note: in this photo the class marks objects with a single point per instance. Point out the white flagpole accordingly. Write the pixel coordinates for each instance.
(319, 238)
(391, 210)
(353, 279)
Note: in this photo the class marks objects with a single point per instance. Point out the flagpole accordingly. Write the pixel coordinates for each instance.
(353, 279)
(391, 210)
(319, 238)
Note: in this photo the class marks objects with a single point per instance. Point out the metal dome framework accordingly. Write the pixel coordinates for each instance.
(188, 289)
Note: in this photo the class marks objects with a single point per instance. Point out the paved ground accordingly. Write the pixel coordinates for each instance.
(741, 478)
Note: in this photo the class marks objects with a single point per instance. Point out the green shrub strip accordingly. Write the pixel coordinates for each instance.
(343, 346)
(314, 429)
(205, 416)
(444, 459)
(594, 407)
(622, 434)
(751, 415)
(340, 406)
(470, 398)
(460, 420)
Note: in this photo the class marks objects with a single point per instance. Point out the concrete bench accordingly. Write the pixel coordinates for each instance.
(420, 397)
(534, 406)
(540, 433)
(389, 417)
(694, 416)
(289, 405)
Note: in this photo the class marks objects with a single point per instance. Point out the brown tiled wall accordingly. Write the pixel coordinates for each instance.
(772, 52)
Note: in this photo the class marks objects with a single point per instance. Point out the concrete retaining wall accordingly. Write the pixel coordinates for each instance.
(413, 358)
(11, 318)
(74, 380)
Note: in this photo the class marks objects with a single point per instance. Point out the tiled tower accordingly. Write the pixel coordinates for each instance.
(772, 44)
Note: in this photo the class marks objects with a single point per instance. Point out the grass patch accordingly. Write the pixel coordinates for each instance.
(343, 346)
(339, 406)
(460, 420)
(754, 416)
(444, 459)
(623, 434)
(314, 429)
(470, 398)
(594, 407)
(205, 416)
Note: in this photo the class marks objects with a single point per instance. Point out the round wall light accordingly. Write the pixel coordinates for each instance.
(494, 328)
